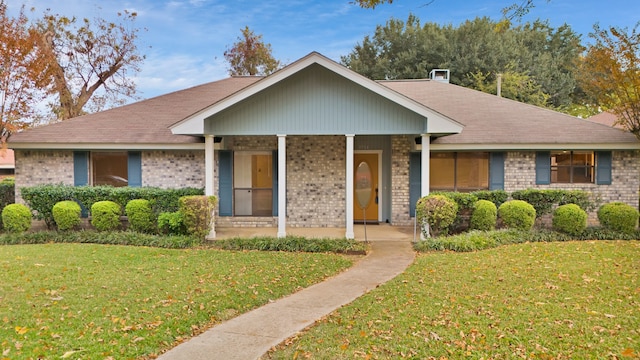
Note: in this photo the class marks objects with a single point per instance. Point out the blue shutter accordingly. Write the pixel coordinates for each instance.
(225, 182)
(603, 167)
(134, 169)
(543, 168)
(80, 168)
(496, 171)
(415, 170)
(274, 192)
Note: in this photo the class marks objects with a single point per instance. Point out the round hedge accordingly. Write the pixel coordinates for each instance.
(16, 218)
(438, 211)
(517, 214)
(569, 219)
(484, 216)
(105, 215)
(66, 214)
(618, 216)
(140, 215)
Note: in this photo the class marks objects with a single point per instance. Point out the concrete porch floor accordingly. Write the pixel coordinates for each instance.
(381, 232)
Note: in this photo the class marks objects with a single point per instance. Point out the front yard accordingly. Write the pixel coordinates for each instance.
(87, 301)
(561, 300)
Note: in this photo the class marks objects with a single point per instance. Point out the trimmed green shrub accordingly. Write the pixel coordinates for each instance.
(484, 216)
(197, 212)
(141, 216)
(294, 244)
(42, 198)
(16, 218)
(105, 215)
(570, 219)
(7, 192)
(172, 223)
(618, 216)
(495, 196)
(465, 201)
(544, 200)
(66, 214)
(94, 237)
(517, 214)
(438, 212)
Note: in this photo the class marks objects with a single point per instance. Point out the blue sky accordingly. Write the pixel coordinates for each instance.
(185, 39)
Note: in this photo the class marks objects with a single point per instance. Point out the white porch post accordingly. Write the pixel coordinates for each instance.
(425, 156)
(349, 186)
(282, 186)
(209, 175)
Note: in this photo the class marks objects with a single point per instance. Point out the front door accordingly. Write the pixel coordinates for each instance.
(366, 192)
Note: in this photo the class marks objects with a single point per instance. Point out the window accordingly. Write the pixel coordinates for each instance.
(572, 167)
(459, 171)
(109, 168)
(253, 183)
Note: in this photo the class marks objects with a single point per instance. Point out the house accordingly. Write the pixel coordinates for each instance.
(7, 163)
(318, 145)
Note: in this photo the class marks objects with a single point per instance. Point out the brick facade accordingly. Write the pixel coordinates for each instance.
(400, 149)
(173, 169)
(40, 167)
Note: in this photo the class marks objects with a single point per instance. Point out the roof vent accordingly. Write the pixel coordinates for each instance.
(441, 75)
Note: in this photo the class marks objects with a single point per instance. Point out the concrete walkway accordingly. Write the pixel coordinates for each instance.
(252, 334)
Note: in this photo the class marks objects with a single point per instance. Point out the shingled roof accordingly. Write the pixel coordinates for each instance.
(488, 121)
(143, 122)
(493, 120)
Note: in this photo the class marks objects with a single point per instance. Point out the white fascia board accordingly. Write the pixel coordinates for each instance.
(436, 122)
(93, 146)
(534, 147)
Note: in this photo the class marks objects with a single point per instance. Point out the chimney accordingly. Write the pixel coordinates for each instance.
(441, 75)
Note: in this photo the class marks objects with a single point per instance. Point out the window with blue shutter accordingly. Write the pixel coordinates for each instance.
(415, 170)
(80, 168)
(225, 182)
(603, 167)
(496, 171)
(134, 169)
(543, 168)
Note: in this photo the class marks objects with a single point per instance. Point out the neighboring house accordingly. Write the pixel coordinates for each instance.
(7, 163)
(318, 145)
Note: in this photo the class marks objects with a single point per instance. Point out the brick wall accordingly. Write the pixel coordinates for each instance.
(40, 167)
(400, 148)
(173, 169)
(520, 174)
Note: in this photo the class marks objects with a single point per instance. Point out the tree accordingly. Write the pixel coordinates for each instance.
(87, 57)
(250, 56)
(516, 86)
(610, 74)
(23, 73)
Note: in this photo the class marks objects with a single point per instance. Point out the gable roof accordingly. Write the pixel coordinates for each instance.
(493, 122)
(436, 122)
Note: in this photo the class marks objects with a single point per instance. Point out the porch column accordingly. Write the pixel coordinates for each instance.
(424, 163)
(424, 175)
(209, 175)
(282, 186)
(349, 186)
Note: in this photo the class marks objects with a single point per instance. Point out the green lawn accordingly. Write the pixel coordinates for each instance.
(563, 300)
(115, 302)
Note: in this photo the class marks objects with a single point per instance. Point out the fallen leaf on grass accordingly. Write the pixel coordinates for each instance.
(69, 353)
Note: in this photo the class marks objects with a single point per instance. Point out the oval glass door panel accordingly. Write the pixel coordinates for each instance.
(364, 185)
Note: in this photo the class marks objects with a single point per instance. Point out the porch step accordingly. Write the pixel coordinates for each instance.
(246, 221)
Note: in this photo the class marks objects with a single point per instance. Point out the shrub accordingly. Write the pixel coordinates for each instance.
(105, 215)
(495, 196)
(544, 200)
(171, 223)
(517, 214)
(66, 214)
(618, 216)
(7, 192)
(197, 212)
(16, 218)
(140, 215)
(94, 237)
(570, 219)
(465, 201)
(484, 216)
(437, 211)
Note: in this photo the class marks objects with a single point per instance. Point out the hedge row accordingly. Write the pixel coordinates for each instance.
(94, 237)
(42, 198)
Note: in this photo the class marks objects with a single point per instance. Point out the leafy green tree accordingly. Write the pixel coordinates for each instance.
(516, 86)
(250, 55)
(610, 74)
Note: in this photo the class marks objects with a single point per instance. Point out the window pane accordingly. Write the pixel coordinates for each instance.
(472, 171)
(109, 168)
(561, 158)
(561, 174)
(442, 170)
(583, 174)
(253, 183)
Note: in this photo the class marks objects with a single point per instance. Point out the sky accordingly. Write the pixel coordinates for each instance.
(185, 40)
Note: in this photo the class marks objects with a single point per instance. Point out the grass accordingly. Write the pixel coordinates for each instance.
(118, 302)
(561, 300)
